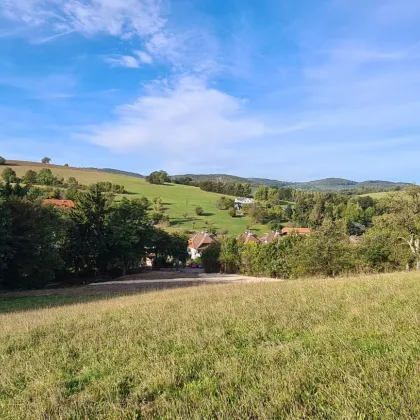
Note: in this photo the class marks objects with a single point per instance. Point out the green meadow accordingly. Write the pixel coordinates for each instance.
(179, 200)
(318, 348)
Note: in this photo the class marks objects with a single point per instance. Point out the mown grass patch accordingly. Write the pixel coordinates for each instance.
(344, 348)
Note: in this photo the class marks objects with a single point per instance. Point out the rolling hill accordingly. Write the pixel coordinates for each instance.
(327, 184)
(178, 200)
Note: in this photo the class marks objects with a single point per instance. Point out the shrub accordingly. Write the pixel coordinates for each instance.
(210, 258)
(199, 211)
(232, 212)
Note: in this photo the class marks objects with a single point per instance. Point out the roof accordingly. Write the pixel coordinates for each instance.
(268, 237)
(60, 203)
(249, 237)
(201, 240)
(244, 200)
(299, 231)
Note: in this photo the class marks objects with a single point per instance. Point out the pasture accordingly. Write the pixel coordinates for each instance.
(179, 200)
(321, 348)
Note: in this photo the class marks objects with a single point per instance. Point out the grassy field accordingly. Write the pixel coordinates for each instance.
(377, 195)
(323, 349)
(178, 199)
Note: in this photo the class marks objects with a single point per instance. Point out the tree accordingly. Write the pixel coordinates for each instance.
(46, 160)
(199, 211)
(404, 214)
(30, 177)
(225, 203)
(325, 252)
(229, 258)
(2, 160)
(261, 194)
(33, 248)
(9, 175)
(210, 258)
(256, 211)
(89, 231)
(128, 232)
(45, 177)
(158, 177)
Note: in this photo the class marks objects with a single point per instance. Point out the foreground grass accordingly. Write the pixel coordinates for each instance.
(300, 349)
(178, 199)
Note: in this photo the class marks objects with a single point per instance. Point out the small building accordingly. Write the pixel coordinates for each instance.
(199, 242)
(269, 237)
(60, 203)
(242, 201)
(298, 231)
(249, 237)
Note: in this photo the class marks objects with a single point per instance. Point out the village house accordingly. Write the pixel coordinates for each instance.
(248, 237)
(269, 237)
(60, 203)
(299, 231)
(199, 242)
(242, 201)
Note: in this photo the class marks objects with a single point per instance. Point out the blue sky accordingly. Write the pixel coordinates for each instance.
(292, 90)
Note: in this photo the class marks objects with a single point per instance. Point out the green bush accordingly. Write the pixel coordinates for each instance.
(199, 211)
(210, 258)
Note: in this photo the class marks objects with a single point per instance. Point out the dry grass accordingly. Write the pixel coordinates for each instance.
(345, 349)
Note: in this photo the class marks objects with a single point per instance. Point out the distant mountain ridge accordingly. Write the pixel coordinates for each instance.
(326, 184)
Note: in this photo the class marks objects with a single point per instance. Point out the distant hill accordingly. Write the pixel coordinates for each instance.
(327, 184)
(117, 172)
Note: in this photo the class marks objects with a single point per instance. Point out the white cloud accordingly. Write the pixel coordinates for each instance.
(143, 57)
(183, 123)
(122, 18)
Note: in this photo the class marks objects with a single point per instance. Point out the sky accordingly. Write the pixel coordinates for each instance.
(293, 90)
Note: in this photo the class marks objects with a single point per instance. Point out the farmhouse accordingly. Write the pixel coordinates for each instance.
(60, 203)
(299, 231)
(248, 237)
(269, 237)
(242, 201)
(199, 242)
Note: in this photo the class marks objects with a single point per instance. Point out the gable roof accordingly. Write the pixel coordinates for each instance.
(249, 237)
(60, 203)
(271, 236)
(201, 240)
(299, 231)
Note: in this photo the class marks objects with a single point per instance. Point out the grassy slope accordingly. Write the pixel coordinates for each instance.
(378, 195)
(178, 199)
(345, 348)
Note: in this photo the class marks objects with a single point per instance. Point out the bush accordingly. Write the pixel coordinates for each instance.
(199, 211)
(9, 175)
(232, 212)
(224, 203)
(210, 258)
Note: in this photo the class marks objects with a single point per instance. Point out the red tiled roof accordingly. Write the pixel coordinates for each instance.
(60, 203)
(300, 231)
(249, 237)
(201, 240)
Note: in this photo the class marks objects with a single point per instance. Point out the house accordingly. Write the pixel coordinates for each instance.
(60, 203)
(199, 242)
(249, 237)
(269, 237)
(242, 201)
(299, 231)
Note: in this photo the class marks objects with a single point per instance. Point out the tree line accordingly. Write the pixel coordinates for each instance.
(42, 244)
(391, 243)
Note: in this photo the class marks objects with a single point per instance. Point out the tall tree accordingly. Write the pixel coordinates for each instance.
(9, 175)
(404, 214)
(129, 232)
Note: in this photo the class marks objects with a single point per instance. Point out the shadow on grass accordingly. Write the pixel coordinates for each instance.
(11, 302)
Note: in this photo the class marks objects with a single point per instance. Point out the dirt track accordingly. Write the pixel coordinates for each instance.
(140, 283)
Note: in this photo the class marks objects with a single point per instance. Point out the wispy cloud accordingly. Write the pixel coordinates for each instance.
(140, 58)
